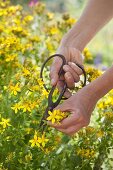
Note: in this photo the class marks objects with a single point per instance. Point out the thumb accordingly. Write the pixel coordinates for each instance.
(65, 106)
(54, 71)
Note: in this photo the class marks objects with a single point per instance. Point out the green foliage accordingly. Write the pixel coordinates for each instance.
(26, 40)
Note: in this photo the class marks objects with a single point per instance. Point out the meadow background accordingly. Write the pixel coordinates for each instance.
(101, 44)
(29, 33)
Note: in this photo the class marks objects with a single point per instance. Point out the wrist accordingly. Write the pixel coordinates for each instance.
(102, 85)
(72, 40)
(78, 36)
(91, 93)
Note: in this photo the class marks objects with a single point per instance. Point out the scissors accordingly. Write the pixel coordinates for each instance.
(51, 104)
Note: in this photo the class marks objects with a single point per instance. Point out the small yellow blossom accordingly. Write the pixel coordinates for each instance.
(10, 57)
(56, 116)
(40, 82)
(26, 107)
(50, 15)
(33, 105)
(28, 18)
(15, 89)
(35, 39)
(87, 54)
(26, 72)
(70, 21)
(86, 153)
(16, 107)
(53, 30)
(35, 141)
(35, 88)
(38, 141)
(45, 93)
(50, 46)
(99, 133)
(92, 73)
(5, 123)
(43, 140)
(108, 115)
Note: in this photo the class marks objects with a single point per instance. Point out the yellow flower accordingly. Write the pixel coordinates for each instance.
(108, 115)
(26, 107)
(28, 18)
(87, 153)
(43, 140)
(5, 122)
(50, 46)
(70, 21)
(87, 54)
(26, 72)
(50, 15)
(1, 28)
(35, 39)
(38, 141)
(33, 105)
(40, 82)
(92, 73)
(35, 88)
(45, 93)
(15, 89)
(89, 130)
(56, 116)
(35, 141)
(10, 57)
(100, 133)
(16, 107)
(53, 30)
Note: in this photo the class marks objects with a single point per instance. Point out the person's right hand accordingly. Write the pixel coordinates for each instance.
(72, 71)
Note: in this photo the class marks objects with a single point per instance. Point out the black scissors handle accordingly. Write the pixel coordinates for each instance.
(51, 103)
(61, 68)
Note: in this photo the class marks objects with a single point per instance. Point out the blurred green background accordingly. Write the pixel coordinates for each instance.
(102, 43)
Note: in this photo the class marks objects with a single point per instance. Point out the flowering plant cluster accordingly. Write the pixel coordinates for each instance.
(26, 40)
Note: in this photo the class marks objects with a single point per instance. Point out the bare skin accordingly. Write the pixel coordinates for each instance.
(94, 17)
(83, 103)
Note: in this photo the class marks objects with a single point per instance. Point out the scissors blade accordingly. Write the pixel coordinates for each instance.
(43, 125)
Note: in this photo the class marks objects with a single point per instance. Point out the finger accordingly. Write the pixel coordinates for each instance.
(54, 71)
(67, 122)
(71, 130)
(60, 86)
(69, 80)
(75, 75)
(77, 57)
(75, 68)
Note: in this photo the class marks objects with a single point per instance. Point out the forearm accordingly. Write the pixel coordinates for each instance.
(102, 85)
(96, 14)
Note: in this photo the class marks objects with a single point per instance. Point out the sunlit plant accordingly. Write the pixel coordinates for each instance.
(26, 40)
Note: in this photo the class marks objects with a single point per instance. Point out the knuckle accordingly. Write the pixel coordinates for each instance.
(80, 72)
(77, 78)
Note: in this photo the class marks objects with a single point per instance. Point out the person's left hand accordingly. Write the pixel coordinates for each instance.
(80, 105)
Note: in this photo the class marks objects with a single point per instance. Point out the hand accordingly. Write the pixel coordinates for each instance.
(72, 71)
(80, 105)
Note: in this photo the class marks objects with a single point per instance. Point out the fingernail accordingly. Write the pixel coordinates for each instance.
(69, 62)
(65, 67)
